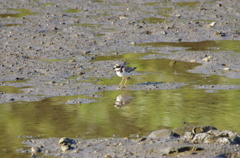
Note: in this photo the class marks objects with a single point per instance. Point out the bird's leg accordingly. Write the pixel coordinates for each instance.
(121, 82)
(125, 81)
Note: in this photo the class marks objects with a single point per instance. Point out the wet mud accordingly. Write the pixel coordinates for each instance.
(53, 49)
(196, 141)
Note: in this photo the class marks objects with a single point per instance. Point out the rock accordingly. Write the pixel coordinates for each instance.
(36, 150)
(121, 17)
(193, 129)
(163, 133)
(181, 130)
(207, 59)
(65, 143)
(217, 136)
(177, 15)
(19, 78)
(230, 135)
(226, 68)
(185, 148)
(201, 129)
(65, 147)
(220, 33)
(108, 156)
(133, 43)
(212, 24)
(203, 138)
(64, 140)
(188, 136)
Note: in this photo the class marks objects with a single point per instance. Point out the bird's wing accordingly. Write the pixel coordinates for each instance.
(128, 69)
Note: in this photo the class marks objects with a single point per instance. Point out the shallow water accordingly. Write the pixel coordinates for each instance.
(229, 45)
(144, 112)
(20, 13)
(140, 112)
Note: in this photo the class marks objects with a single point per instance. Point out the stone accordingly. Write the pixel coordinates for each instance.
(163, 133)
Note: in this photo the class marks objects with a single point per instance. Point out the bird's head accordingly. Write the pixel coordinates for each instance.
(117, 67)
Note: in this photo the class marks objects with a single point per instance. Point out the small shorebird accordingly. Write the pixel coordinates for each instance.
(123, 71)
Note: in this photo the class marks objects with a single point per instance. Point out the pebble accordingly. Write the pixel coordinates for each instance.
(177, 15)
(133, 43)
(108, 156)
(207, 59)
(212, 24)
(226, 68)
(36, 149)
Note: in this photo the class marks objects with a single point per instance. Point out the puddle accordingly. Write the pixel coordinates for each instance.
(166, 12)
(152, 3)
(10, 89)
(231, 45)
(46, 4)
(103, 118)
(101, 34)
(98, 1)
(18, 80)
(155, 70)
(10, 25)
(72, 10)
(154, 20)
(188, 4)
(90, 25)
(161, 70)
(168, 109)
(23, 12)
(126, 56)
(64, 100)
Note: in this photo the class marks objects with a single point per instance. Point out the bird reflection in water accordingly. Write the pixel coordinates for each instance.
(123, 99)
(172, 63)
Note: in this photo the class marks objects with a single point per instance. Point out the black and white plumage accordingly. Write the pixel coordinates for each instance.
(123, 71)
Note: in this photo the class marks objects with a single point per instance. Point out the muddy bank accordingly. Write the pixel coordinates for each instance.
(53, 42)
(190, 141)
(57, 49)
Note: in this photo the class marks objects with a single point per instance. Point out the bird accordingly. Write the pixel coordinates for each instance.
(123, 71)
